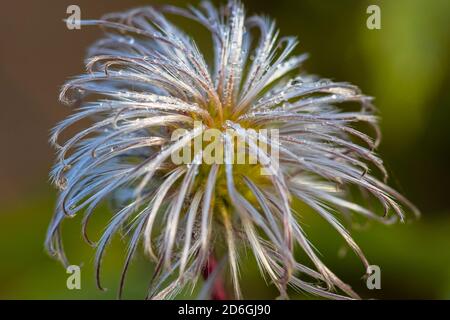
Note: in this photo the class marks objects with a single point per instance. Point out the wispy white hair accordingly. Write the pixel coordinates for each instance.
(146, 78)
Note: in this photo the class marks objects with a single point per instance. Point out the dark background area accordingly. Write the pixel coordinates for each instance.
(405, 65)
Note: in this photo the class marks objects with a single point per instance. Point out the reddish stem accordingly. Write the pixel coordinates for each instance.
(218, 290)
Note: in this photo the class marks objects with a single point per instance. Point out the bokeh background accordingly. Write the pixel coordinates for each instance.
(405, 65)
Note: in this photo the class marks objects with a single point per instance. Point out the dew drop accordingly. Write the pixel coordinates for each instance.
(297, 82)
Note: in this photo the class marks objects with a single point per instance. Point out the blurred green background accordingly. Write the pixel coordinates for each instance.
(405, 65)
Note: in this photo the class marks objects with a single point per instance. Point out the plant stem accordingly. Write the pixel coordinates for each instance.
(218, 290)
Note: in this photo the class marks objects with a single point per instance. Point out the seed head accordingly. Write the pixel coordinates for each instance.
(145, 79)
